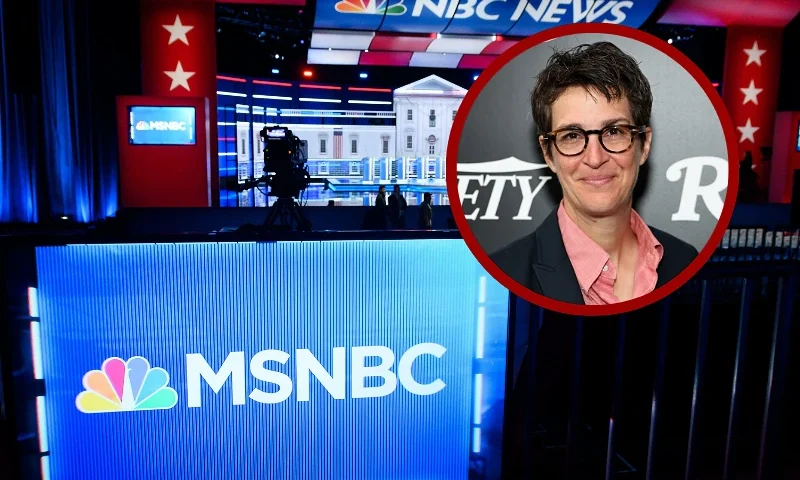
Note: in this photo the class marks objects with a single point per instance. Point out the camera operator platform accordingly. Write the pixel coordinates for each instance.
(286, 177)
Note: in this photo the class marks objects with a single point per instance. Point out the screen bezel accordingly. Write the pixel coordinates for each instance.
(130, 126)
(797, 140)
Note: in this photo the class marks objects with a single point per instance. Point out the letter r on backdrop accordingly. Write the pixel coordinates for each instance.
(692, 190)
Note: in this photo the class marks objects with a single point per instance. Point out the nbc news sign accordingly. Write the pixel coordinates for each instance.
(515, 18)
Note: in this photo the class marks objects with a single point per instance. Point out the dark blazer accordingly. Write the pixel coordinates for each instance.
(397, 205)
(539, 261)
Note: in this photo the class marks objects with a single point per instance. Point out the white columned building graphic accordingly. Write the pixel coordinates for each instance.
(425, 111)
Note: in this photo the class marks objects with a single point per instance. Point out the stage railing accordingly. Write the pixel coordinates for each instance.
(745, 301)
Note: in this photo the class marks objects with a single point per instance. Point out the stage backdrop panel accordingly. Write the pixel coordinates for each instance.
(333, 359)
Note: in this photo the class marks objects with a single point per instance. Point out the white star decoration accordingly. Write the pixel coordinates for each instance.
(754, 54)
(179, 78)
(751, 93)
(177, 31)
(747, 132)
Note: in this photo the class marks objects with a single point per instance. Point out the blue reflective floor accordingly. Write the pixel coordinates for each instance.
(415, 186)
(360, 194)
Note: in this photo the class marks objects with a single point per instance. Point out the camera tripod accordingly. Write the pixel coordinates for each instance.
(287, 211)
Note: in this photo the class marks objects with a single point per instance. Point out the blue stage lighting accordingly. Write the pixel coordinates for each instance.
(275, 71)
(362, 75)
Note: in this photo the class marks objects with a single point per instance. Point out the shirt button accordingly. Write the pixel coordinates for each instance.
(605, 268)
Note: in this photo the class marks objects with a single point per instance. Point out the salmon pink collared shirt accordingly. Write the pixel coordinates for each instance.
(594, 269)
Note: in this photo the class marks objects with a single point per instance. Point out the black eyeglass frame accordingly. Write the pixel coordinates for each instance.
(551, 137)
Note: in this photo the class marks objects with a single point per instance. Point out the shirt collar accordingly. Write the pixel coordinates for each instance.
(588, 258)
(650, 249)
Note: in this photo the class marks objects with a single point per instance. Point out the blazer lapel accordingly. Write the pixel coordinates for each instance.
(663, 275)
(668, 268)
(551, 265)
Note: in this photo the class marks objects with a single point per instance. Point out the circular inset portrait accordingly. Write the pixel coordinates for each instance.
(592, 171)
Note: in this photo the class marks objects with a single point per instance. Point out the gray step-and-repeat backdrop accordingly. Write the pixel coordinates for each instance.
(506, 189)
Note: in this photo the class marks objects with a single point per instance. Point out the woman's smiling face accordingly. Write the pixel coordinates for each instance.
(596, 183)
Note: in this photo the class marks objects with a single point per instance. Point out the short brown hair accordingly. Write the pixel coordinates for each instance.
(601, 67)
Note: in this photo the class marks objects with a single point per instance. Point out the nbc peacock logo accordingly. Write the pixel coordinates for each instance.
(377, 7)
(121, 386)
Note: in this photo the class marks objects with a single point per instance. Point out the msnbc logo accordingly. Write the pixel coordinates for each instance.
(124, 386)
(378, 7)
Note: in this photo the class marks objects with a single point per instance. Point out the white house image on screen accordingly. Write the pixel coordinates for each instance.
(425, 112)
(412, 152)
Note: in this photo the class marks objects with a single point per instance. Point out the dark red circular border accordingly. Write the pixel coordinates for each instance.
(472, 241)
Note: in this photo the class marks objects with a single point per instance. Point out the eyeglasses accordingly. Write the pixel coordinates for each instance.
(573, 141)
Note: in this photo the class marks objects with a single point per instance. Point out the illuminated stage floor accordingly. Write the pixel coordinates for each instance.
(345, 192)
(414, 186)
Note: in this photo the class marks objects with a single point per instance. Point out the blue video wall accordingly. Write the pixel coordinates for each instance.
(316, 359)
(245, 105)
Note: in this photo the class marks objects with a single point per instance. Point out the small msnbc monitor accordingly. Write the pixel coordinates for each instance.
(162, 125)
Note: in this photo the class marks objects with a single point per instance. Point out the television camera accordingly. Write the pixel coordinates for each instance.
(284, 162)
(285, 176)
